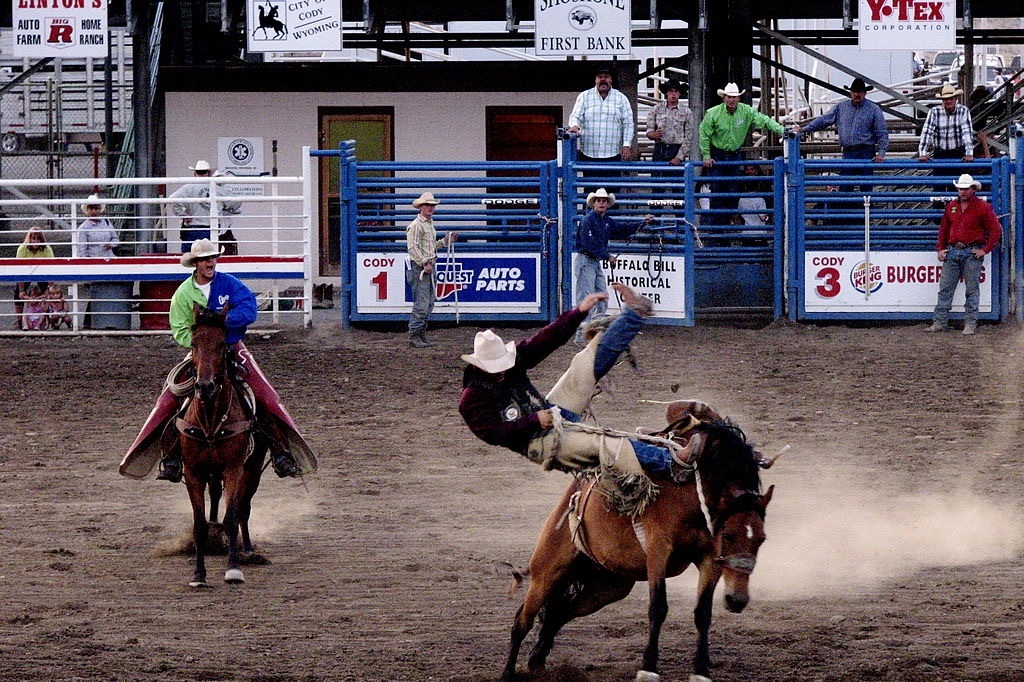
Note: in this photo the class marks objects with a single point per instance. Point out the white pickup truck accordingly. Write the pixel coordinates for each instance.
(62, 99)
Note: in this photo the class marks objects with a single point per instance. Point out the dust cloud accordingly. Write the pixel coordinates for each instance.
(839, 531)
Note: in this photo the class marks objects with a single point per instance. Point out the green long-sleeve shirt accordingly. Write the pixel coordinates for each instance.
(728, 131)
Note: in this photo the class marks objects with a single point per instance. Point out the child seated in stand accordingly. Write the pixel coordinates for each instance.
(34, 315)
(56, 307)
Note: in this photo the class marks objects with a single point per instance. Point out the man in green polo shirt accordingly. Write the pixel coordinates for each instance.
(723, 131)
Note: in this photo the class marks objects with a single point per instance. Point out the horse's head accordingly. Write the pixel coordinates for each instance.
(730, 468)
(739, 534)
(208, 349)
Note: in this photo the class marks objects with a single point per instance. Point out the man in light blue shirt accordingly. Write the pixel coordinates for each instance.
(603, 118)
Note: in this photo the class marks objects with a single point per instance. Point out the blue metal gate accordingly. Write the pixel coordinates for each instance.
(819, 239)
(503, 265)
(862, 237)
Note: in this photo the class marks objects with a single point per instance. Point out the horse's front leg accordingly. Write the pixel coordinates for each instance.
(233, 575)
(216, 487)
(657, 611)
(200, 528)
(709, 576)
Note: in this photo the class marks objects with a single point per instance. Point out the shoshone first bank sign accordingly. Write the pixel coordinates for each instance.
(582, 27)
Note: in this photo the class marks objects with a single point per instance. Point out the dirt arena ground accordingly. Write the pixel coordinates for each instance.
(895, 548)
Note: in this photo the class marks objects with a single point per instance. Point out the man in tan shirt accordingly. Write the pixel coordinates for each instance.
(422, 243)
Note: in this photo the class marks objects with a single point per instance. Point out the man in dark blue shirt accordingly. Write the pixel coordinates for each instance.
(592, 236)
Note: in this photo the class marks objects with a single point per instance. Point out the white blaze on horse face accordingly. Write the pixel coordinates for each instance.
(750, 531)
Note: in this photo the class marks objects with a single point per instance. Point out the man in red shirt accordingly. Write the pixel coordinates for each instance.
(969, 229)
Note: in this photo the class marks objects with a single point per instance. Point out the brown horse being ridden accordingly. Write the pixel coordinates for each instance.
(217, 446)
(590, 554)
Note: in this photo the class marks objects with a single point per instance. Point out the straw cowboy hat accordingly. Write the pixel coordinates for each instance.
(600, 194)
(93, 200)
(201, 165)
(858, 85)
(965, 181)
(949, 91)
(490, 353)
(201, 248)
(732, 90)
(425, 198)
(671, 84)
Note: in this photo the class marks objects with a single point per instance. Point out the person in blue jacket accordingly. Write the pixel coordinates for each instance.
(592, 235)
(290, 454)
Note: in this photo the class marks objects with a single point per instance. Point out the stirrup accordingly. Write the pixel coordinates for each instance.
(284, 464)
(170, 470)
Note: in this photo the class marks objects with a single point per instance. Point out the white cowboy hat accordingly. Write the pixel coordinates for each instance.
(93, 200)
(491, 354)
(949, 91)
(600, 194)
(426, 198)
(965, 181)
(732, 90)
(201, 165)
(201, 248)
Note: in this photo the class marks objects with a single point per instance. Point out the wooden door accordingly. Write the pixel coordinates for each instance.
(373, 131)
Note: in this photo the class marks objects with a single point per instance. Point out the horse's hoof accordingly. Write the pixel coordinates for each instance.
(647, 676)
(233, 576)
(199, 584)
(699, 678)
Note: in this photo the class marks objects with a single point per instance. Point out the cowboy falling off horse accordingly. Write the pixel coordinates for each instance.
(157, 441)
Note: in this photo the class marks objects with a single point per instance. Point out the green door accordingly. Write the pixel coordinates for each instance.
(372, 131)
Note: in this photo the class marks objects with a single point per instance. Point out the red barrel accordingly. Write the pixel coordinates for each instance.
(153, 314)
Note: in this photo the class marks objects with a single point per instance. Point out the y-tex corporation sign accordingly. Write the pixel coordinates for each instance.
(582, 27)
(907, 24)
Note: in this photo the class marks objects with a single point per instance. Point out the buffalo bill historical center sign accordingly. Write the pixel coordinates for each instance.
(907, 24)
(59, 28)
(582, 27)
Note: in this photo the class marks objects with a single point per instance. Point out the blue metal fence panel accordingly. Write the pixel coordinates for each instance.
(862, 236)
(1017, 207)
(812, 254)
(500, 267)
(728, 266)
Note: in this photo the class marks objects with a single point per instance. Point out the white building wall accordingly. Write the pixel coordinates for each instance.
(428, 126)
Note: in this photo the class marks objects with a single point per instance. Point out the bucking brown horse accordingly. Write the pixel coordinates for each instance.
(590, 555)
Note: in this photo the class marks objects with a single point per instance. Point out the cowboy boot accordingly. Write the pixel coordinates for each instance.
(170, 466)
(684, 458)
(284, 464)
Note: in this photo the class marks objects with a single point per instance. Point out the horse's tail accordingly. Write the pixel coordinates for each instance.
(519, 576)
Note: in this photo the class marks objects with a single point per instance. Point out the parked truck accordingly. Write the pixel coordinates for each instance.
(63, 100)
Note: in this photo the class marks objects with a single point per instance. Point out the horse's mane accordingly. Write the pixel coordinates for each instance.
(729, 460)
(209, 318)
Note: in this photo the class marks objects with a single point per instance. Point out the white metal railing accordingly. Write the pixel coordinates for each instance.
(271, 231)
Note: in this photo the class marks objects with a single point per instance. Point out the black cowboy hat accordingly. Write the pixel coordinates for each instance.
(603, 69)
(672, 84)
(858, 85)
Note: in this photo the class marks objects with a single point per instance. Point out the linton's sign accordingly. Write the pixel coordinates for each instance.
(582, 27)
(907, 24)
(59, 28)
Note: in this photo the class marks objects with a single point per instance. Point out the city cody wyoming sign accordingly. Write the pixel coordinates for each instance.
(293, 25)
(582, 27)
(907, 24)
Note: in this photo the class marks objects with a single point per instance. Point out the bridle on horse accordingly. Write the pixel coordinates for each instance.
(220, 430)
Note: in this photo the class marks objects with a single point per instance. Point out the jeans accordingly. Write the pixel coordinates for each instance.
(192, 234)
(959, 263)
(423, 295)
(597, 176)
(572, 393)
(590, 279)
(728, 186)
